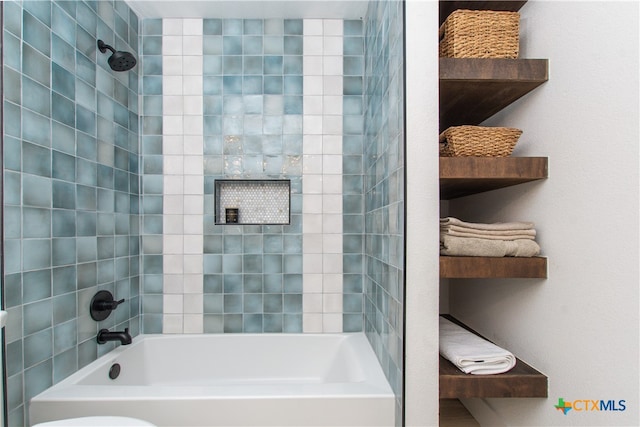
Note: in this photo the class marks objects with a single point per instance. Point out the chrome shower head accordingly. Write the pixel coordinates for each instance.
(118, 61)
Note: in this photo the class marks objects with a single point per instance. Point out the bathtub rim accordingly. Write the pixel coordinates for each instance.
(375, 384)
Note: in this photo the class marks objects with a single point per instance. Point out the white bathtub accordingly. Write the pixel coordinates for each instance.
(230, 380)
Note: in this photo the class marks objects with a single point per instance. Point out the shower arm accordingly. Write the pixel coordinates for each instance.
(103, 47)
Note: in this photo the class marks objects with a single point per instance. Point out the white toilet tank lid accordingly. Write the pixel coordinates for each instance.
(97, 422)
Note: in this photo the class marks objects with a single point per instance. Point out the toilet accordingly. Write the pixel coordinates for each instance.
(103, 421)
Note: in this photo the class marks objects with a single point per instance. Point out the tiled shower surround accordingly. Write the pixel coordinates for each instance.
(384, 189)
(71, 221)
(252, 99)
(99, 195)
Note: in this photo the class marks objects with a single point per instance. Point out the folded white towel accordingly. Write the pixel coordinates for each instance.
(471, 353)
(469, 246)
(492, 227)
(485, 234)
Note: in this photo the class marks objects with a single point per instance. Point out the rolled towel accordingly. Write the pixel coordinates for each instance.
(485, 234)
(472, 354)
(469, 246)
(498, 226)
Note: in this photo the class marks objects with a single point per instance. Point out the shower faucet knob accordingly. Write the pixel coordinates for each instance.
(107, 305)
(102, 304)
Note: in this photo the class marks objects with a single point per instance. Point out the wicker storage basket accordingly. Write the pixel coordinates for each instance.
(478, 141)
(480, 34)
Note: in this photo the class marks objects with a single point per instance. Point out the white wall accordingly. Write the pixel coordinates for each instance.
(421, 306)
(580, 326)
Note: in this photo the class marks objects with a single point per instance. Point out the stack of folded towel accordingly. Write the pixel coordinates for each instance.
(459, 238)
(472, 354)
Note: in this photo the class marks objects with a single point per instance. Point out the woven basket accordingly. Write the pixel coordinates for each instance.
(478, 141)
(480, 34)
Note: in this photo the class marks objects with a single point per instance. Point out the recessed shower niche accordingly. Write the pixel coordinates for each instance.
(252, 201)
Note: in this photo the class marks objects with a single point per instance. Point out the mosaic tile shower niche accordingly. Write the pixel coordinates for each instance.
(252, 202)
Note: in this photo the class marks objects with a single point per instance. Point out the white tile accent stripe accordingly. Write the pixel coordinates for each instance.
(183, 189)
(322, 175)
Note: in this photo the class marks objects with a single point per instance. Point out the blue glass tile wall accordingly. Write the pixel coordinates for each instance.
(70, 187)
(384, 188)
(352, 174)
(151, 177)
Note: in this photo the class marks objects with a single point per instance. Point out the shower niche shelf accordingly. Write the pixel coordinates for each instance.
(252, 201)
(521, 381)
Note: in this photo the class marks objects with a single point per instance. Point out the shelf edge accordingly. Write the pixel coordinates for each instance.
(526, 70)
(458, 267)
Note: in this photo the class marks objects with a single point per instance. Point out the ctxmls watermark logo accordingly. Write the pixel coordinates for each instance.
(589, 405)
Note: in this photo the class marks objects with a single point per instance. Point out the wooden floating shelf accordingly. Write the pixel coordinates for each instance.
(462, 267)
(462, 176)
(521, 381)
(474, 89)
(446, 7)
